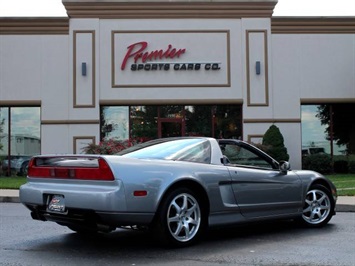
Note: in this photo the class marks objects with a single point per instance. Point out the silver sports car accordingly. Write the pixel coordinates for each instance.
(176, 187)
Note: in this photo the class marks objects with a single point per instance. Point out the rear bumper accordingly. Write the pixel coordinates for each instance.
(104, 196)
(90, 218)
(91, 204)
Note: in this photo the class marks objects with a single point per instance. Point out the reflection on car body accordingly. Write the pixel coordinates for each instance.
(176, 187)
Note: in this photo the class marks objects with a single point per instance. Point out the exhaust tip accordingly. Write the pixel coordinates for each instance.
(36, 216)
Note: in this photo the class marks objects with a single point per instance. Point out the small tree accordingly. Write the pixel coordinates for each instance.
(274, 144)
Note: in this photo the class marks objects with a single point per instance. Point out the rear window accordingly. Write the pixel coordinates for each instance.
(184, 149)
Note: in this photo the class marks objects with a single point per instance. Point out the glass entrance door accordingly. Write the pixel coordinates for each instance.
(171, 127)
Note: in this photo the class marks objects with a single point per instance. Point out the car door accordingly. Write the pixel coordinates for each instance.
(259, 187)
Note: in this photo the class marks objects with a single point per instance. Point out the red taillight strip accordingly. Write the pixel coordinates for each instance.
(101, 173)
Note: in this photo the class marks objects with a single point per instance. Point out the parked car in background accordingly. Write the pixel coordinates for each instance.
(312, 150)
(175, 187)
(18, 165)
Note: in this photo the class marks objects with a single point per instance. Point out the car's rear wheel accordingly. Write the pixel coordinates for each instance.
(318, 207)
(181, 218)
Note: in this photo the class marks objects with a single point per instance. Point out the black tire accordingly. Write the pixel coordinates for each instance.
(318, 207)
(181, 218)
(24, 169)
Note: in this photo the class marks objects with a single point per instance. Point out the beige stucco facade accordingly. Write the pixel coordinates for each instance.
(302, 60)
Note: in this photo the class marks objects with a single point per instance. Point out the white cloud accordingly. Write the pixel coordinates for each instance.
(33, 8)
(315, 8)
(312, 129)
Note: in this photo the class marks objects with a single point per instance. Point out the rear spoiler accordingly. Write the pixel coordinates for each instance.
(70, 167)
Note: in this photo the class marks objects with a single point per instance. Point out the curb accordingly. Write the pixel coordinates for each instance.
(345, 208)
(6, 199)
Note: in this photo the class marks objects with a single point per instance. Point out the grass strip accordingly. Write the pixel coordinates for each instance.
(345, 183)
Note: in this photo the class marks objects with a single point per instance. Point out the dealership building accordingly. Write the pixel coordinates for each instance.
(147, 69)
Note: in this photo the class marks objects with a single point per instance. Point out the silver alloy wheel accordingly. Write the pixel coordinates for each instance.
(184, 217)
(317, 207)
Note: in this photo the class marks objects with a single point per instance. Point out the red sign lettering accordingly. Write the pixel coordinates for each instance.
(137, 51)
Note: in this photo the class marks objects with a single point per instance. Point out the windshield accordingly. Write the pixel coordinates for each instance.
(182, 149)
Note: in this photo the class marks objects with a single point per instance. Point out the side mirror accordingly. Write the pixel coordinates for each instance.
(284, 167)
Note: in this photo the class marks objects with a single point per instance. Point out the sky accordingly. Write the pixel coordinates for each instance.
(54, 8)
(312, 129)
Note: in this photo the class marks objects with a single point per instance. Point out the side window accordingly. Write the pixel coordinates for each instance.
(242, 156)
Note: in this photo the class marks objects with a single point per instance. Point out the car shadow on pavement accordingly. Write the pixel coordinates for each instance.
(262, 230)
(126, 239)
(129, 247)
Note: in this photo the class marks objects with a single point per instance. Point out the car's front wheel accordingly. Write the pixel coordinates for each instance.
(24, 169)
(318, 207)
(181, 218)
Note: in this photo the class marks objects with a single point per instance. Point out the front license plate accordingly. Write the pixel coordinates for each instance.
(57, 204)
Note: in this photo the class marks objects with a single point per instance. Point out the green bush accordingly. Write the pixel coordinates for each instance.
(320, 162)
(351, 167)
(344, 164)
(341, 167)
(274, 143)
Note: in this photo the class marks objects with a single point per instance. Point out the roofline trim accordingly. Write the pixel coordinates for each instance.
(312, 25)
(169, 10)
(34, 25)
